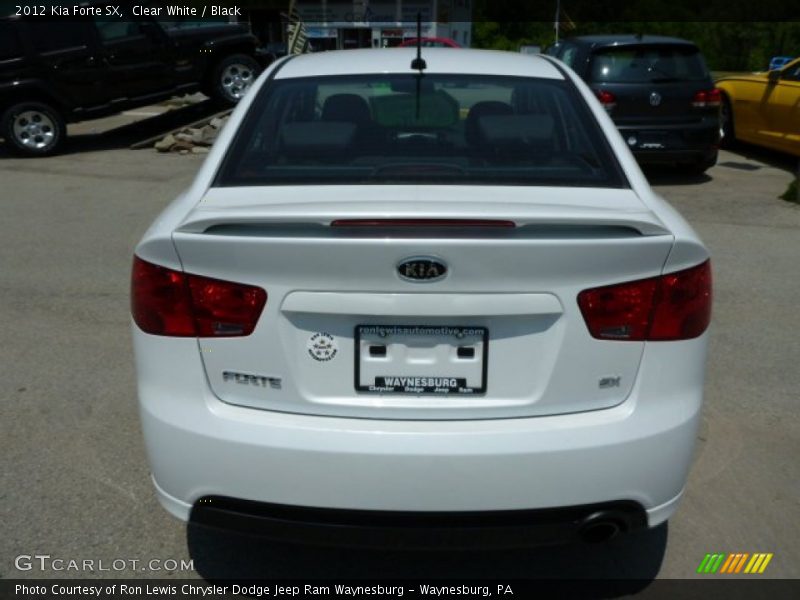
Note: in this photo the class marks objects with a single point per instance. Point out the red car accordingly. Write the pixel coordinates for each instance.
(431, 42)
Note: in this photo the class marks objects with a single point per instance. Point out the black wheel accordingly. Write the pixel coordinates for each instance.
(726, 122)
(233, 76)
(699, 167)
(33, 128)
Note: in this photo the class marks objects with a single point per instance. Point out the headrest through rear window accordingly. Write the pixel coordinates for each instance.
(346, 107)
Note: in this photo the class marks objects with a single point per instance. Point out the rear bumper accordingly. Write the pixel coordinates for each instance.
(639, 451)
(655, 143)
(377, 529)
(706, 155)
(425, 530)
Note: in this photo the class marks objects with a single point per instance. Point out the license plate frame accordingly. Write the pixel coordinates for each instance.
(433, 384)
(653, 140)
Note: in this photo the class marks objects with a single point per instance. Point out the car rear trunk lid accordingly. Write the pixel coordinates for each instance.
(500, 335)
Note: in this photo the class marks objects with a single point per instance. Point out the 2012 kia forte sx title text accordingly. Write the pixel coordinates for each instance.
(474, 225)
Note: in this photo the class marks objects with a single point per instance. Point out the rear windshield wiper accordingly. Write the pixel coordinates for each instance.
(664, 76)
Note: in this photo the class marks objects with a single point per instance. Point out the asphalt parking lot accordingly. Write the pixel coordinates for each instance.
(74, 483)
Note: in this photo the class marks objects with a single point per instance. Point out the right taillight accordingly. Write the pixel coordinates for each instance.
(707, 98)
(173, 303)
(676, 306)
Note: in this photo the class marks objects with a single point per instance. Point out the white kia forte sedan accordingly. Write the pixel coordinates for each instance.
(435, 299)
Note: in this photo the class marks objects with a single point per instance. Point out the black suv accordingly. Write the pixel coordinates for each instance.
(55, 72)
(657, 90)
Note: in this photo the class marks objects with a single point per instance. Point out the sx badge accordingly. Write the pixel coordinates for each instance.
(322, 347)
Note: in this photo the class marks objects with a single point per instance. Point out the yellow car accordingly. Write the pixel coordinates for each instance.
(763, 108)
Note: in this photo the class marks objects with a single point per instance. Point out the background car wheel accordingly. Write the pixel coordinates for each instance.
(233, 76)
(701, 166)
(33, 128)
(726, 122)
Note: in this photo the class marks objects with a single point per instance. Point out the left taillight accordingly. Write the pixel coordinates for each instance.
(676, 306)
(607, 99)
(172, 303)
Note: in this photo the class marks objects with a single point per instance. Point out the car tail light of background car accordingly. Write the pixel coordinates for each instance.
(707, 99)
(607, 99)
(173, 303)
(676, 306)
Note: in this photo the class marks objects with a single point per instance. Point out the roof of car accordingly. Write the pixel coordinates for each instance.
(627, 39)
(438, 60)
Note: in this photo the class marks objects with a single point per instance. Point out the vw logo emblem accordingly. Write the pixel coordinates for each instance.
(655, 98)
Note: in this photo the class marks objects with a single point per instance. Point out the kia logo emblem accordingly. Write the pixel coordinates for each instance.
(422, 269)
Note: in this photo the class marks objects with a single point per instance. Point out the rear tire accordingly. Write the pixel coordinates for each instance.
(232, 77)
(699, 167)
(726, 123)
(33, 129)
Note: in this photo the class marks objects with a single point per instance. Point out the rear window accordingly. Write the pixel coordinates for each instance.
(52, 36)
(648, 64)
(112, 29)
(448, 129)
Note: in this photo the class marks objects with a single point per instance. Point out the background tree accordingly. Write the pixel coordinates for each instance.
(733, 45)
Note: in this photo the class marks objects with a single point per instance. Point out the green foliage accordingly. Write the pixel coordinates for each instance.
(792, 194)
(727, 46)
(510, 36)
(746, 46)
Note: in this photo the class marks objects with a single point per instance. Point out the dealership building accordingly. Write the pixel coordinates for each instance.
(337, 24)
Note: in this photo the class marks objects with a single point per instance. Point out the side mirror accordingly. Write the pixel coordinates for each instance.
(774, 76)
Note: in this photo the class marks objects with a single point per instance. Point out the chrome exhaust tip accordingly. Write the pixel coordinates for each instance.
(599, 527)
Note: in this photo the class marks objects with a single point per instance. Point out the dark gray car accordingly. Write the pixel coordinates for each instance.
(657, 90)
